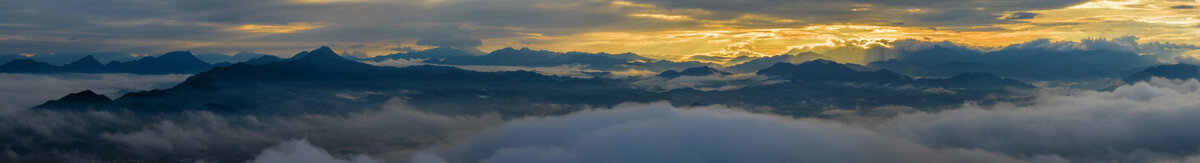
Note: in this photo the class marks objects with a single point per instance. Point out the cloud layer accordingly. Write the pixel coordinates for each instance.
(393, 132)
(1134, 123)
(300, 151)
(661, 133)
(22, 91)
(1142, 122)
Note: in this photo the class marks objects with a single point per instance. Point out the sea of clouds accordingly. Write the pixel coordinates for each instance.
(1144, 122)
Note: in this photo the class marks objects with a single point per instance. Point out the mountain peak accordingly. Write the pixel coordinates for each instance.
(88, 57)
(80, 100)
(323, 57)
(821, 61)
(86, 61)
(263, 60)
(825, 70)
(84, 93)
(702, 71)
(819, 66)
(178, 55)
(694, 71)
(322, 53)
(86, 64)
(323, 49)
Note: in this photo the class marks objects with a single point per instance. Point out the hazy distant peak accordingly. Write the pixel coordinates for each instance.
(323, 53)
(975, 76)
(263, 60)
(702, 71)
(86, 60)
(693, 71)
(179, 54)
(1175, 71)
(88, 57)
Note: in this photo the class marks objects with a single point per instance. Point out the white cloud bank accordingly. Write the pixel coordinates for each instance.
(1144, 122)
(1134, 123)
(661, 133)
(300, 151)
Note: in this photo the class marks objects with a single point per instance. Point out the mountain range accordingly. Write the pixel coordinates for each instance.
(541, 58)
(178, 62)
(1175, 71)
(321, 81)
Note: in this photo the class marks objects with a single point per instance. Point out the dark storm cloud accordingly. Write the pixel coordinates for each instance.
(1022, 15)
(1183, 7)
(458, 43)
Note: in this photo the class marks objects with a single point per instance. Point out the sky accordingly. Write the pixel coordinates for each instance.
(661, 29)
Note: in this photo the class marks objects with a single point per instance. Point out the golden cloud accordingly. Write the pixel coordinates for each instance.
(663, 16)
(284, 28)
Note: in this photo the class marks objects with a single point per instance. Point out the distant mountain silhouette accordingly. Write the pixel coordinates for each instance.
(87, 64)
(65, 58)
(28, 66)
(173, 62)
(239, 57)
(694, 71)
(1025, 64)
(534, 58)
(435, 54)
(829, 71)
(761, 63)
(542, 58)
(1175, 71)
(263, 60)
(314, 80)
(10, 57)
(84, 100)
(179, 62)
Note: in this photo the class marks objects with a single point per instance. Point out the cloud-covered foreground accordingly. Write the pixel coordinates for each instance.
(392, 133)
(661, 133)
(300, 151)
(22, 91)
(1144, 122)
(1133, 123)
